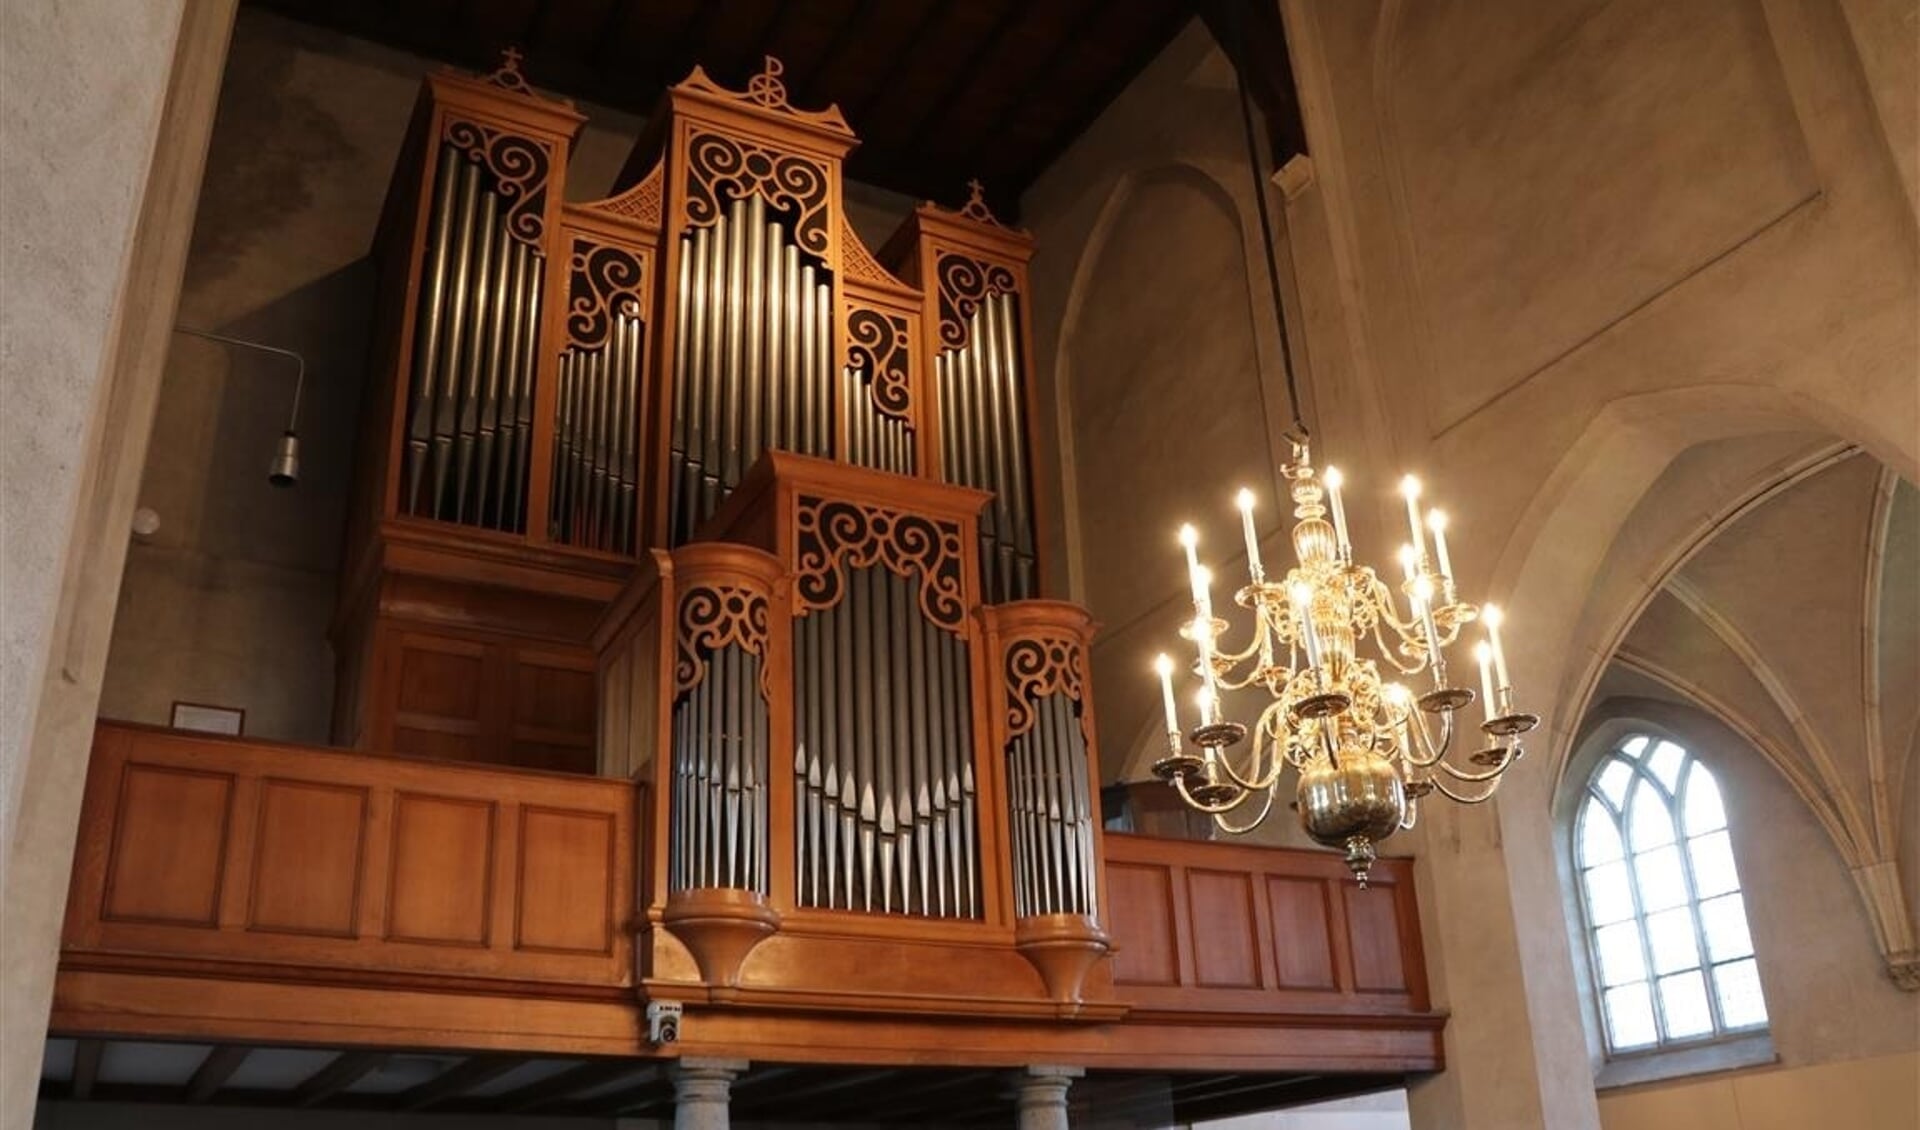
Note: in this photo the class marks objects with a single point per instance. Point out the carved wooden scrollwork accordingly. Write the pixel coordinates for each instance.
(835, 534)
(1035, 668)
(710, 618)
(877, 345)
(965, 282)
(520, 167)
(605, 280)
(721, 169)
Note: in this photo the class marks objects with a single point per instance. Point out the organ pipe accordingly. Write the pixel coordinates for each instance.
(468, 410)
(883, 753)
(751, 361)
(981, 394)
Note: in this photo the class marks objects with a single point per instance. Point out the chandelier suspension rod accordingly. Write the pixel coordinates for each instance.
(1240, 69)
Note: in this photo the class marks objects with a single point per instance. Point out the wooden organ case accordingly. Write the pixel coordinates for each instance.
(769, 494)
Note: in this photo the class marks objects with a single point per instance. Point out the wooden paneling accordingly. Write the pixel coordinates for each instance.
(1273, 930)
(470, 694)
(318, 832)
(440, 676)
(1221, 907)
(1303, 934)
(1141, 910)
(442, 870)
(515, 893)
(167, 851)
(1374, 927)
(565, 883)
(299, 861)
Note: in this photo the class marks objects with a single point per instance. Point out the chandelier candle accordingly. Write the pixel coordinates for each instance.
(1328, 645)
(1163, 666)
(1437, 525)
(1481, 653)
(1245, 502)
(1494, 618)
(1410, 490)
(1331, 478)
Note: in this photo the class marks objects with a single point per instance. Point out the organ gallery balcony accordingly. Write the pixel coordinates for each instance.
(236, 893)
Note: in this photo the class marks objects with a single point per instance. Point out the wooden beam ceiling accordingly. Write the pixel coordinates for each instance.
(940, 90)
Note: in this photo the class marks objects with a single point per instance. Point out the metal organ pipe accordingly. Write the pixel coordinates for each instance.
(469, 404)
(751, 361)
(883, 778)
(983, 442)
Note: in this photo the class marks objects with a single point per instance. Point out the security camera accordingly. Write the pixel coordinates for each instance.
(663, 1021)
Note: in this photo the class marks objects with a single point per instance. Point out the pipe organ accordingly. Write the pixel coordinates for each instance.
(688, 484)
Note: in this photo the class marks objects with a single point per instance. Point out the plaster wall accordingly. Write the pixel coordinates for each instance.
(1543, 253)
(104, 116)
(228, 602)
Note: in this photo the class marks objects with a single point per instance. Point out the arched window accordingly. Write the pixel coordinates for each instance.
(1666, 926)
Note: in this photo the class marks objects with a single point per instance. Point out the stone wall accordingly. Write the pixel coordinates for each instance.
(1545, 254)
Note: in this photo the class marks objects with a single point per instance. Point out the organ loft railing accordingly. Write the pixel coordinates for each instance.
(688, 483)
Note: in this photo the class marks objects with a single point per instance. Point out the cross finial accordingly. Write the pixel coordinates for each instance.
(508, 74)
(976, 206)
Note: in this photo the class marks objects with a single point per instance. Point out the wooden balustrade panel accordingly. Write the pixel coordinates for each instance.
(1219, 928)
(215, 849)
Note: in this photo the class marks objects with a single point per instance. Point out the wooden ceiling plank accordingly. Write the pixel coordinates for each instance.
(343, 1071)
(1076, 30)
(907, 56)
(806, 88)
(1275, 1092)
(86, 1067)
(966, 77)
(214, 1071)
(457, 1080)
(644, 1096)
(834, 1083)
(559, 1088)
(923, 1102)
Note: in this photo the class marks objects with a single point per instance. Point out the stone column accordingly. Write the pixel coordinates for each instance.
(105, 112)
(1041, 1094)
(701, 1088)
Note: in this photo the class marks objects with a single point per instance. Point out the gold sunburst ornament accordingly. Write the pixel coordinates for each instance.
(1334, 648)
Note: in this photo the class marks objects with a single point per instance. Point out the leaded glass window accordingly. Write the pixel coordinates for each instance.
(1666, 926)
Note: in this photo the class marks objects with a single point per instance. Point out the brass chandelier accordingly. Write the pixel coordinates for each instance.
(1365, 745)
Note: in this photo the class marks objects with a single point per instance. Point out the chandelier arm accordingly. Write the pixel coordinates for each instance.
(1210, 809)
(1417, 724)
(1266, 806)
(1413, 814)
(1475, 778)
(1387, 649)
(1257, 779)
(1231, 659)
(1461, 798)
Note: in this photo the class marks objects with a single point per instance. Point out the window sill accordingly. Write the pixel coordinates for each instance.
(1701, 1059)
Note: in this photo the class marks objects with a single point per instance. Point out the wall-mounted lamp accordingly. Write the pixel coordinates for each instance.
(284, 469)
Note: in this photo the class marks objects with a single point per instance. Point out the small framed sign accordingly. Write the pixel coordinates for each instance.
(209, 719)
